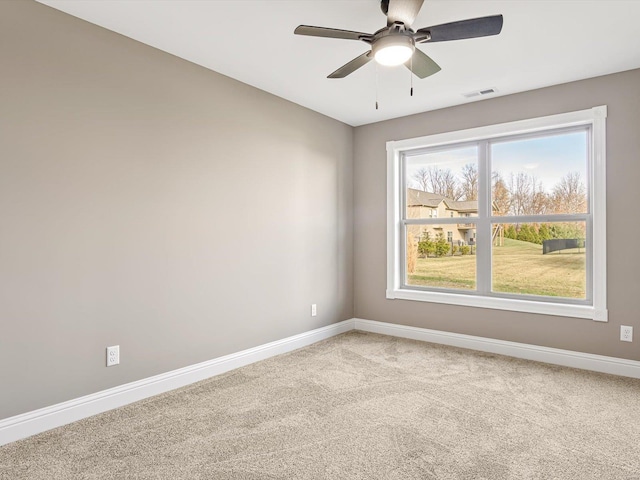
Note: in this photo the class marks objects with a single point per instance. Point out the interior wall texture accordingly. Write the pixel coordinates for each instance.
(621, 93)
(153, 204)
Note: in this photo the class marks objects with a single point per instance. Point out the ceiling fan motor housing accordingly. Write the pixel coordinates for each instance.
(393, 38)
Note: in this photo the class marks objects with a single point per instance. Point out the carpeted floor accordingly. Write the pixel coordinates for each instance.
(358, 406)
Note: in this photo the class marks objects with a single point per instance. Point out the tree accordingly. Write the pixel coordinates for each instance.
(527, 195)
(510, 232)
(569, 195)
(442, 246)
(469, 183)
(529, 233)
(438, 180)
(569, 230)
(501, 197)
(544, 233)
(523, 233)
(519, 193)
(426, 246)
(412, 253)
(421, 177)
(540, 202)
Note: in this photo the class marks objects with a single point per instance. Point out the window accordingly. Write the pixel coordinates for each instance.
(532, 194)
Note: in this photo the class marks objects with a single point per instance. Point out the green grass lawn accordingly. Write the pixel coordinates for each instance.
(518, 267)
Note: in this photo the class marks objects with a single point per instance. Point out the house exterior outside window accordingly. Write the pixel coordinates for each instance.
(421, 204)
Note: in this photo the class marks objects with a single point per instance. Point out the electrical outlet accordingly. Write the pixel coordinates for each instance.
(113, 355)
(626, 333)
(314, 310)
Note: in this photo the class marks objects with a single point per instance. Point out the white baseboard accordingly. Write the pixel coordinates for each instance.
(37, 421)
(556, 356)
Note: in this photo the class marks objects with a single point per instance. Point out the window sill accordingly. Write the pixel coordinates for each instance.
(514, 305)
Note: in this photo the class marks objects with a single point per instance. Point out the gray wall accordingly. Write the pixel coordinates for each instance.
(154, 204)
(621, 92)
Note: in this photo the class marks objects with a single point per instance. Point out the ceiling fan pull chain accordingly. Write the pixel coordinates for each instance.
(376, 74)
(411, 75)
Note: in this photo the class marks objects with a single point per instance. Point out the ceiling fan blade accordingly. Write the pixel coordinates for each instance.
(422, 65)
(331, 33)
(404, 11)
(352, 66)
(475, 27)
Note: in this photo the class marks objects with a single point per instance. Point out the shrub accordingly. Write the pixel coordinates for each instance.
(544, 233)
(465, 249)
(442, 246)
(426, 246)
(528, 233)
(455, 249)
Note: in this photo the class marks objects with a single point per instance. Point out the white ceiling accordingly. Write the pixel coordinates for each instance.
(543, 42)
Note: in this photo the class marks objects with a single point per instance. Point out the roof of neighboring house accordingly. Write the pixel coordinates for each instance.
(467, 206)
(416, 198)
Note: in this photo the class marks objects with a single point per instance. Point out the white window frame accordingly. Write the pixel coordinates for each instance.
(596, 309)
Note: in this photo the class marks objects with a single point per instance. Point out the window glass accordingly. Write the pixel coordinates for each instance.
(434, 259)
(540, 175)
(440, 181)
(508, 216)
(547, 259)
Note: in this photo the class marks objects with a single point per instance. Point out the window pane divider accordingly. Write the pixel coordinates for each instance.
(439, 221)
(578, 217)
(483, 229)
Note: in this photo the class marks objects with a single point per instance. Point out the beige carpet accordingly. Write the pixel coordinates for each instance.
(358, 406)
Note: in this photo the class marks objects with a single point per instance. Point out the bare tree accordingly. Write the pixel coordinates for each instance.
(443, 182)
(437, 180)
(539, 202)
(527, 195)
(500, 195)
(519, 193)
(421, 177)
(469, 183)
(569, 195)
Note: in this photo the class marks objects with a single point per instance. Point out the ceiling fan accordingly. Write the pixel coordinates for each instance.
(395, 44)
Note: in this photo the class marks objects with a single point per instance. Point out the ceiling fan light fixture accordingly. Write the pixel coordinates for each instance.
(393, 55)
(393, 50)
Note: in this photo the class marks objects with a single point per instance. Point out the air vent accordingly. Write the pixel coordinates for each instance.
(477, 93)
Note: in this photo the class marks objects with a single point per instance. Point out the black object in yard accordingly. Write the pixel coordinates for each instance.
(558, 244)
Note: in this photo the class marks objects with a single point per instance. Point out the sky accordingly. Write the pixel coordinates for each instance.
(548, 158)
